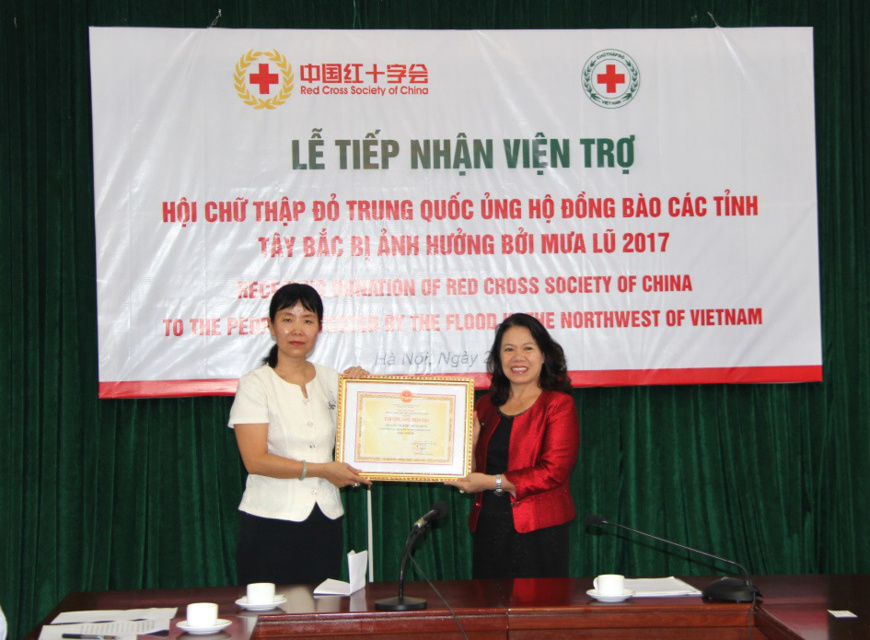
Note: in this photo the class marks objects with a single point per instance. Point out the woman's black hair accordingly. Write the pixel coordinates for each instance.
(287, 297)
(554, 371)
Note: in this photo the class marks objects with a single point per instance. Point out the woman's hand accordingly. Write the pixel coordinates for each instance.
(340, 474)
(476, 482)
(473, 483)
(356, 372)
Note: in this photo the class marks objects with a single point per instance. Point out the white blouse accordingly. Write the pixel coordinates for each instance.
(300, 428)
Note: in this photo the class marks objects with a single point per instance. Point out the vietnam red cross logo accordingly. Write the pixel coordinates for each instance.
(611, 78)
(263, 79)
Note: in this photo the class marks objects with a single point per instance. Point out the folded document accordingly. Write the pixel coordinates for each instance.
(356, 571)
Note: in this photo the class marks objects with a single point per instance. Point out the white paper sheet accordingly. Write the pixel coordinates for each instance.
(842, 614)
(116, 615)
(356, 570)
(120, 624)
(660, 587)
(121, 630)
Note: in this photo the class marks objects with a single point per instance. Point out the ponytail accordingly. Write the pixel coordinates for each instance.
(272, 358)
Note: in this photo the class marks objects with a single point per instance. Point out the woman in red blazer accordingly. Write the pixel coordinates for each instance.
(528, 439)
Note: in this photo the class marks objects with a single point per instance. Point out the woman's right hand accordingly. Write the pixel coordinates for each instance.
(340, 474)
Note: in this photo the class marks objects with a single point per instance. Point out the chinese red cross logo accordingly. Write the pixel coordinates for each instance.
(264, 79)
(253, 77)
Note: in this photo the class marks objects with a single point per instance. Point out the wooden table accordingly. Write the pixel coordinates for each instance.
(551, 609)
(792, 607)
(478, 604)
(797, 607)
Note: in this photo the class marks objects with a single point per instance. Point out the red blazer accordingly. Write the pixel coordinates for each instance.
(543, 449)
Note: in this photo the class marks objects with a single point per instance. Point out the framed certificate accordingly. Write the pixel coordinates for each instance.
(406, 428)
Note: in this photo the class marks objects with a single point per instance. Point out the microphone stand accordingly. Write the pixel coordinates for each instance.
(727, 589)
(401, 603)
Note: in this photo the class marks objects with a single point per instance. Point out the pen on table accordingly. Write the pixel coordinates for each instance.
(89, 636)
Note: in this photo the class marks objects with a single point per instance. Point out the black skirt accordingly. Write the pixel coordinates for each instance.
(501, 552)
(287, 552)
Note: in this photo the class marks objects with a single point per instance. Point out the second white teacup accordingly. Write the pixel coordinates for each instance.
(609, 584)
(261, 593)
(202, 614)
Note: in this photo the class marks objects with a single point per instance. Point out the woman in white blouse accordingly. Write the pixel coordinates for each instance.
(284, 416)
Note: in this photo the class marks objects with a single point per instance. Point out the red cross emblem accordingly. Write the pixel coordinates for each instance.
(264, 78)
(610, 78)
(251, 73)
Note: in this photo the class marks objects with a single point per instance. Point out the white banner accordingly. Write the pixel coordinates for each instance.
(649, 195)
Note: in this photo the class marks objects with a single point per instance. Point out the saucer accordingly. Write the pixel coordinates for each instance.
(626, 594)
(278, 601)
(199, 631)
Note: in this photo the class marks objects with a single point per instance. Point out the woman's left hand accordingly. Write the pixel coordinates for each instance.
(473, 483)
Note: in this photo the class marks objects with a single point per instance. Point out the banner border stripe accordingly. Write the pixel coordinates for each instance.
(580, 379)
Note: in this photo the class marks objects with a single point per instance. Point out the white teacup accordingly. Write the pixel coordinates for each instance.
(261, 593)
(609, 584)
(202, 614)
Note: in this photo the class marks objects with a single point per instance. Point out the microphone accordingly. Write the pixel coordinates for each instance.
(726, 589)
(438, 511)
(401, 603)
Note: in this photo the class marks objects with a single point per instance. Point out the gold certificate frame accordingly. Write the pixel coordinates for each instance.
(406, 428)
